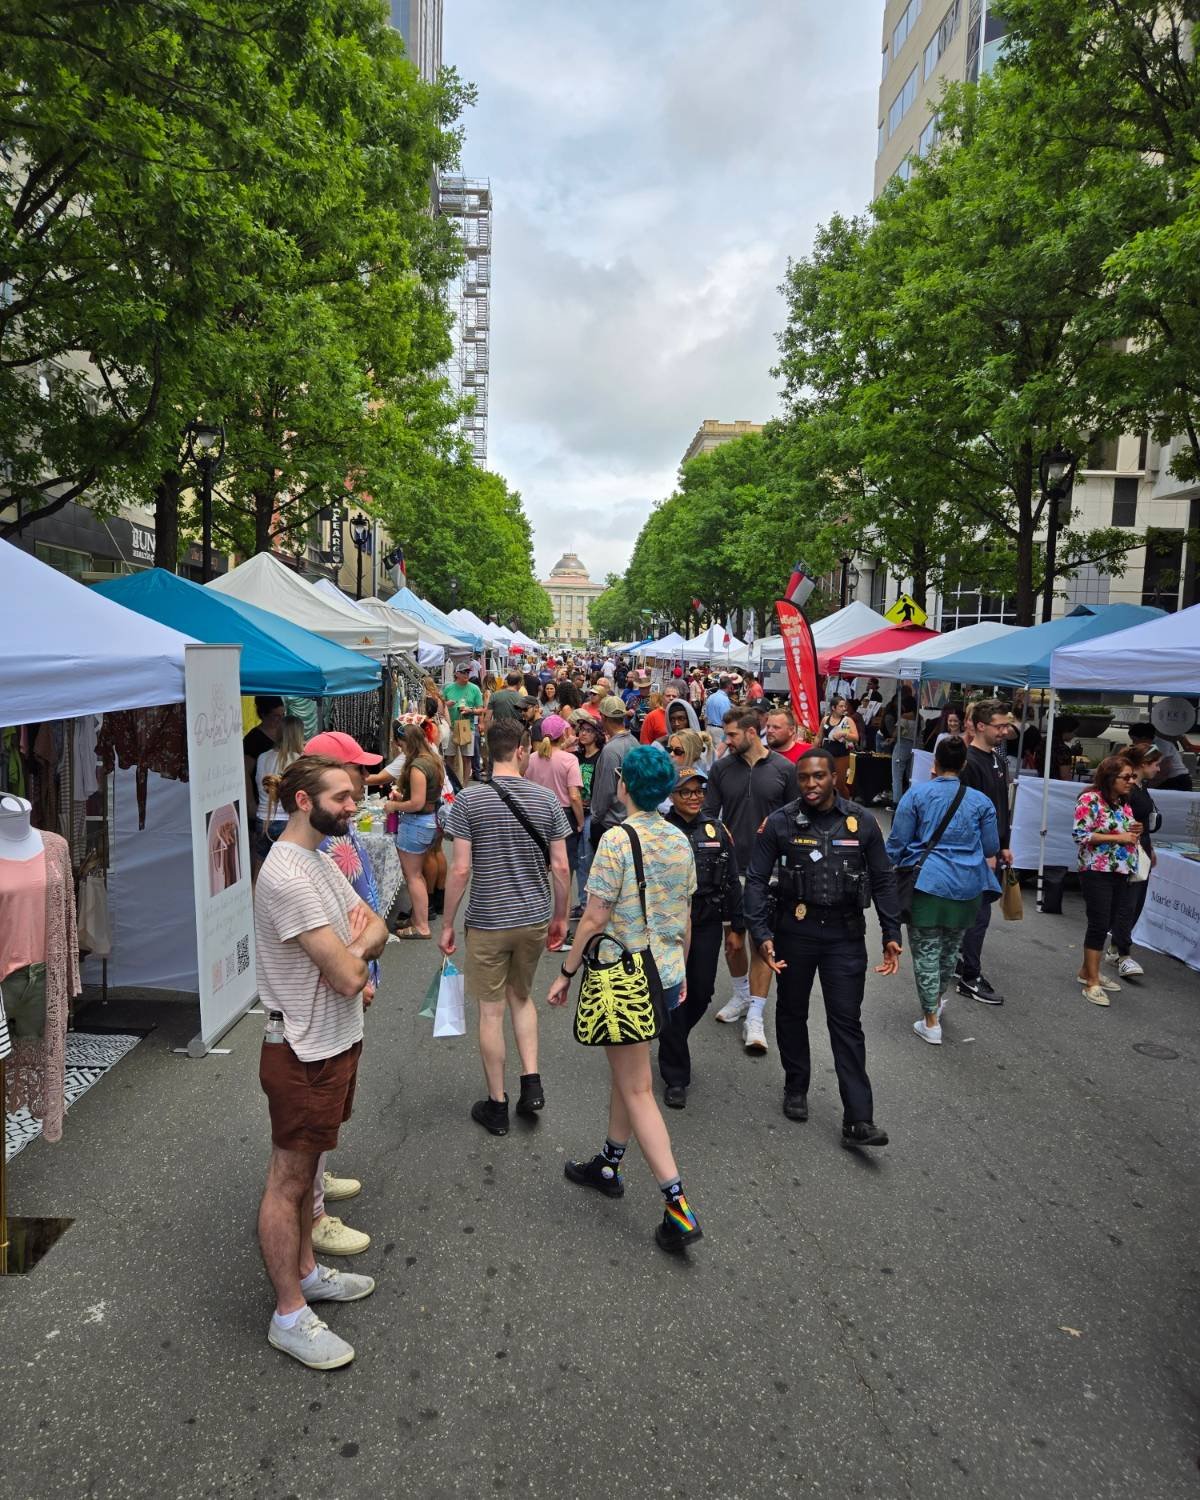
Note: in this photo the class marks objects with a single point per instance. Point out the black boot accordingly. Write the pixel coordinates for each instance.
(598, 1174)
(863, 1133)
(795, 1104)
(532, 1097)
(491, 1114)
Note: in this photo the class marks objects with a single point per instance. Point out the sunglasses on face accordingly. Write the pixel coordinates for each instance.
(675, 750)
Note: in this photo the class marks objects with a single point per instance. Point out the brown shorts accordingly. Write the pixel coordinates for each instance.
(308, 1100)
(505, 958)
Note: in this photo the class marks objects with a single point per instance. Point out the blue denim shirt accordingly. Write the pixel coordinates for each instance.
(957, 867)
(716, 706)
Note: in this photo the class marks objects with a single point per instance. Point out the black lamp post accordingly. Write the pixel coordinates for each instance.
(360, 530)
(1057, 474)
(849, 579)
(453, 582)
(205, 449)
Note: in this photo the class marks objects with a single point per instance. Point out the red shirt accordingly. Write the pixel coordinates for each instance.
(654, 726)
(795, 752)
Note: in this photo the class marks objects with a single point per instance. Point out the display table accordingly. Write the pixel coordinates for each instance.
(385, 866)
(1170, 920)
(1180, 812)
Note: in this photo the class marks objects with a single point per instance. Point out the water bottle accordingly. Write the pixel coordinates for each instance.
(274, 1026)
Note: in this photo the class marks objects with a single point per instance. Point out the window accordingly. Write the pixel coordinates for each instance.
(927, 140)
(1143, 450)
(1160, 575)
(1088, 586)
(1124, 509)
(887, 57)
(902, 103)
(1102, 455)
(968, 606)
(882, 138)
(65, 559)
(904, 170)
(904, 25)
(943, 36)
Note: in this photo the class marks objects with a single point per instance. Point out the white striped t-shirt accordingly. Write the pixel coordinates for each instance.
(299, 890)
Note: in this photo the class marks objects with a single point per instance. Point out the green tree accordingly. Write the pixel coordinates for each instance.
(613, 616)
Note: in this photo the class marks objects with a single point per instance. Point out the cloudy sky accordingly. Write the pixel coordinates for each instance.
(653, 165)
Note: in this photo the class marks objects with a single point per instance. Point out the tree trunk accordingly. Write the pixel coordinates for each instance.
(264, 516)
(1026, 599)
(166, 520)
(920, 574)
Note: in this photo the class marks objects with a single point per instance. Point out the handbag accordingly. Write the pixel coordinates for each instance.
(1141, 873)
(1012, 904)
(462, 732)
(906, 875)
(621, 1001)
(95, 931)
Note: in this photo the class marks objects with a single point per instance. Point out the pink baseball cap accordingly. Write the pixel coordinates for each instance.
(554, 726)
(343, 747)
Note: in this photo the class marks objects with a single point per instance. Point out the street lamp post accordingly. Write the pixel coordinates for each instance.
(1057, 474)
(205, 449)
(453, 582)
(849, 579)
(360, 530)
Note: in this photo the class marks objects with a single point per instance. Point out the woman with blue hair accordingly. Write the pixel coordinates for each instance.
(614, 905)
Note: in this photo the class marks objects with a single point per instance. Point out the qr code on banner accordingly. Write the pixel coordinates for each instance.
(218, 975)
(243, 954)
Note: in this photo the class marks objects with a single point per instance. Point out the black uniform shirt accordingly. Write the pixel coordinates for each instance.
(776, 838)
(727, 903)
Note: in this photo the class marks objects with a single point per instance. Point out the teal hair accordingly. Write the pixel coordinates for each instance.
(649, 774)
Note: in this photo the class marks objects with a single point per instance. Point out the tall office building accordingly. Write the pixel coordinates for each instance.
(419, 22)
(1123, 481)
(924, 42)
(468, 202)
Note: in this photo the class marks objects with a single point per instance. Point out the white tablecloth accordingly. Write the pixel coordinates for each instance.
(385, 866)
(1180, 821)
(1170, 920)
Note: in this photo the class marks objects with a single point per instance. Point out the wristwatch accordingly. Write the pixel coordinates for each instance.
(567, 973)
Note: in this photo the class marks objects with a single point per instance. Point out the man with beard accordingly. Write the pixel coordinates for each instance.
(781, 734)
(831, 865)
(315, 938)
(745, 785)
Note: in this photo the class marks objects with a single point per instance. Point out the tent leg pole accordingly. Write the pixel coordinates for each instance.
(1045, 797)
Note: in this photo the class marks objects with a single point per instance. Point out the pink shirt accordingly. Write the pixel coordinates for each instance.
(558, 774)
(22, 913)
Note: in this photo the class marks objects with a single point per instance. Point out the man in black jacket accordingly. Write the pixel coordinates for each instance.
(831, 866)
(988, 725)
(717, 900)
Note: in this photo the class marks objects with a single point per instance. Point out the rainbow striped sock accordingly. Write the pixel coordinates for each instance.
(677, 1206)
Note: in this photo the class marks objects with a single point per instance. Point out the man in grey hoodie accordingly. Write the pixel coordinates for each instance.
(607, 810)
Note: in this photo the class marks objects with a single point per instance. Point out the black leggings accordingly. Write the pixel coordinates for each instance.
(1109, 900)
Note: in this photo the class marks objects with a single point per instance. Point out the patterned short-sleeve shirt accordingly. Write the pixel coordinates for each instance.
(1094, 815)
(670, 884)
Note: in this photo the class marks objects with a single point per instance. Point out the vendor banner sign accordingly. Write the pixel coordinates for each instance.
(220, 840)
(800, 653)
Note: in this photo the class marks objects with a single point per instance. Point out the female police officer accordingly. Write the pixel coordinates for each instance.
(831, 866)
(717, 900)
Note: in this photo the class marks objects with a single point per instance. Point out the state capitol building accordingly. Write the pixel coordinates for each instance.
(571, 592)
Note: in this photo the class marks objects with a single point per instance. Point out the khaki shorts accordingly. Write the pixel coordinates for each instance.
(503, 959)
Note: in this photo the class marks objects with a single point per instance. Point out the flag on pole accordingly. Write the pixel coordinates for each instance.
(799, 586)
(698, 606)
(394, 562)
(725, 641)
(800, 654)
(750, 629)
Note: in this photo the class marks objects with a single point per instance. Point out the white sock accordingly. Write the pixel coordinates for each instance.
(306, 1282)
(741, 987)
(757, 1007)
(287, 1320)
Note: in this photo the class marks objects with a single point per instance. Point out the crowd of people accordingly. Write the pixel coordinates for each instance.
(686, 824)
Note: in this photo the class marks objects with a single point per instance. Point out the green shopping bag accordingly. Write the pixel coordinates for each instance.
(429, 1006)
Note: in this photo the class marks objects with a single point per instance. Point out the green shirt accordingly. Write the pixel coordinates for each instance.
(467, 694)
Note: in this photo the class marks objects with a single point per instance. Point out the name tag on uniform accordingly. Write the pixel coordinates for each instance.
(804, 841)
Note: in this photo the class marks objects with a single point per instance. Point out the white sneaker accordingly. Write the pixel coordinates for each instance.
(1111, 956)
(331, 1237)
(928, 1033)
(338, 1286)
(1129, 968)
(733, 1010)
(754, 1038)
(339, 1187)
(312, 1342)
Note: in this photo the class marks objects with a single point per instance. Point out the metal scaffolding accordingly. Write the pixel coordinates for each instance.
(468, 201)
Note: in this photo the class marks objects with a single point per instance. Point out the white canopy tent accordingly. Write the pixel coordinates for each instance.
(856, 619)
(911, 662)
(265, 581)
(494, 634)
(432, 642)
(716, 645)
(69, 651)
(670, 645)
(1158, 656)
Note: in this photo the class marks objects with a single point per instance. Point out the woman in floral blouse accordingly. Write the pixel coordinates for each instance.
(1107, 834)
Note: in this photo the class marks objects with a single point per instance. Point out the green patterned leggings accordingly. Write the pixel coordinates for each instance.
(934, 954)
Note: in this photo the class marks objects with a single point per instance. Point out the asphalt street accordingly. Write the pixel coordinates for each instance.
(1001, 1303)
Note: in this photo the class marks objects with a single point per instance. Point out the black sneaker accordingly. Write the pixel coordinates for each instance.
(532, 1097)
(598, 1174)
(491, 1114)
(863, 1133)
(679, 1227)
(979, 989)
(795, 1105)
(675, 1096)
(575, 913)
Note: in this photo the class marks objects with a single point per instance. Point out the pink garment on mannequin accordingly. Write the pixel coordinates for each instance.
(22, 913)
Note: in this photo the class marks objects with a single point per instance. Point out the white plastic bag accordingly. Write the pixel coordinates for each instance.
(450, 1018)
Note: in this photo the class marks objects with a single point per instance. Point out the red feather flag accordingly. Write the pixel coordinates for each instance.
(800, 652)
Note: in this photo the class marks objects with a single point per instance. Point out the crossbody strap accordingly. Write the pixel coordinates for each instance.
(955, 802)
(513, 807)
(639, 870)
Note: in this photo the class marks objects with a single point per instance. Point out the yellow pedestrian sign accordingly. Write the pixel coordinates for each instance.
(906, 611)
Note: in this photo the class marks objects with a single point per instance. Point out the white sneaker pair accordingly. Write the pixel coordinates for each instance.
(931, 1034)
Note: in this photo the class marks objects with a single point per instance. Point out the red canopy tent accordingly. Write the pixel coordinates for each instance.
(894, 638)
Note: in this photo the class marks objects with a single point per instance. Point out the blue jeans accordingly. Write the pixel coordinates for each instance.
(902, 757)
(583, 859)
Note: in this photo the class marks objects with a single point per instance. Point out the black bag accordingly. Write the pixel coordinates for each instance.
(906, 875)
(621, 1002)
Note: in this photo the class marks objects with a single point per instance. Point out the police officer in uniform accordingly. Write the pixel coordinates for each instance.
(717, 900)
(827, 857)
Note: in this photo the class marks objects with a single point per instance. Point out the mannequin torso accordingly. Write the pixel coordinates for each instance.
(18, 839)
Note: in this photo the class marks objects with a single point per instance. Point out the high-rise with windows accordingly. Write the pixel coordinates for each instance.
(419, 22)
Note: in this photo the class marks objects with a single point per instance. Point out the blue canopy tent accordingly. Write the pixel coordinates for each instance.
(277, 656)
(417, 608)
(1022, 659)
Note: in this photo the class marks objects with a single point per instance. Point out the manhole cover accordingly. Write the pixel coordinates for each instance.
(1155, 1049)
